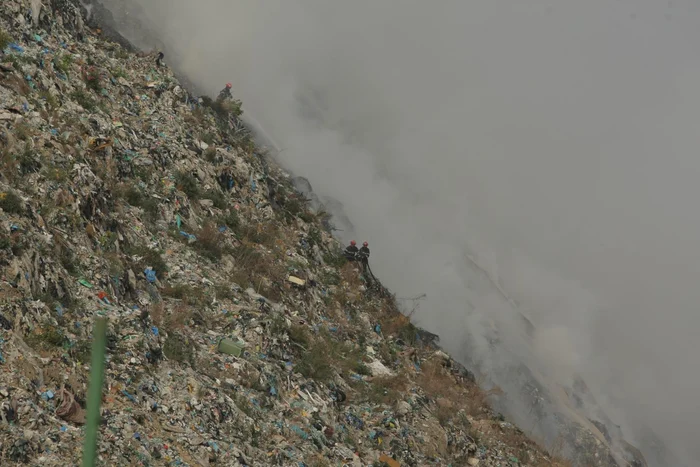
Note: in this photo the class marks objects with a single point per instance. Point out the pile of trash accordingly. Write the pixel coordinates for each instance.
(238, 335)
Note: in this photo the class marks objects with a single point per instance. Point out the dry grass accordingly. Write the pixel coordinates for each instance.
(197, 117)
(187, 183)
(148, 258)
(438, 383)
(210, 242)
(23, 131)
(63, 198)
(256, 268)
(179, 347)
(272, 290)
(179, 318)
(249, 262)
(5, 39)
(399, 325)
(56, 173)
(265, 234)
(528, 451)
(240, 277)
(211, 369)
(315, 363)
(157, 313)
(8, 166)
(478, 403)
(393, 323)
(384, 389)
(555, 453)
(11, 203)
(335, 259)
(188, 294)
(113, 259)
(453, 396)
(350, 274)
(547, 460)
(136, 197)
(325, 356)
(17, 84)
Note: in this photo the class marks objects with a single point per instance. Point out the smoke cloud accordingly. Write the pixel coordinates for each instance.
(503, 157)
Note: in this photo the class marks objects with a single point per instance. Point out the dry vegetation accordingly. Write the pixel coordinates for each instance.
(324, 355)
(454, 400)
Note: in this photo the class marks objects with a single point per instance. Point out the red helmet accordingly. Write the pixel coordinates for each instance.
(352, 242)
(228, 85)
(365, 244)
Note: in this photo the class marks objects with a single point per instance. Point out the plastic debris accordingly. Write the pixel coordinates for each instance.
(231, 347)
(129, 396)
(150, 274)
(102, 295)
(188, 236)
(296, 281)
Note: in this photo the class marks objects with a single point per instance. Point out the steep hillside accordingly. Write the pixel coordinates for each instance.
(238, 335)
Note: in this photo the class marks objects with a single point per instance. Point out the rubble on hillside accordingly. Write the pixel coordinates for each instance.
(237, 333)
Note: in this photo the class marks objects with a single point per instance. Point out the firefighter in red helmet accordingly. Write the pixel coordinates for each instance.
(363, 255)
(351, 251)
(364, 251)
(225, 93)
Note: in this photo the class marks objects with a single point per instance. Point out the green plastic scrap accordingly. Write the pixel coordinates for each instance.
(85, 283)
(231, 347)
(95, 392)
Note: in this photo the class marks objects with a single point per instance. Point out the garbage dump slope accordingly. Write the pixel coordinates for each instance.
(402, 93)
(237, 334)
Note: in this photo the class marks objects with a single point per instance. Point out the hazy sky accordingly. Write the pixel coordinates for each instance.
(556, 141)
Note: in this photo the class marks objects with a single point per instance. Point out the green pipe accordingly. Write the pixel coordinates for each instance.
(97, 369)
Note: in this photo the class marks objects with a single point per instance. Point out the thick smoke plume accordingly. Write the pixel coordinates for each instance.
(503, 157)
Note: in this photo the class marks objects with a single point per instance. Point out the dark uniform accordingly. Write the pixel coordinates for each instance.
(363, 257)
(224, 94)
(351, 253)
(364, 253)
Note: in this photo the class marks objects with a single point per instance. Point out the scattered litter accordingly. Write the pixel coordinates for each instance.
(230, 347)
(389, 461)
(189, 237)
(377, 368)
(150, 275)
(129, 396)
(296, 281)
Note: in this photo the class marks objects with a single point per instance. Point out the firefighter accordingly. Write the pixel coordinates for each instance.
(364, 252)
(363, 256)
(351, 251)
(225, 93)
